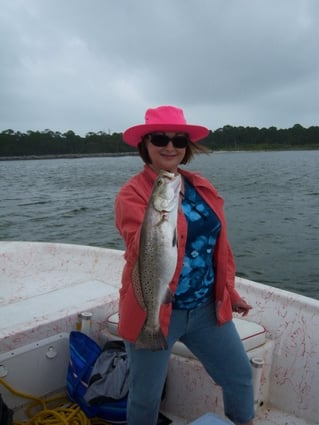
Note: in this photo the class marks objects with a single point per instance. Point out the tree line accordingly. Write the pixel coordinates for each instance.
(50, 143)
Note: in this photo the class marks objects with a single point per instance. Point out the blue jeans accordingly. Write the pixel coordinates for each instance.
(218, 348)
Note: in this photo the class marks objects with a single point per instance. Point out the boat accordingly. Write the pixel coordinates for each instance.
(45, 287)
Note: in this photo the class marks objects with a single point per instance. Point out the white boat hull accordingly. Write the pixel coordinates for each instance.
(45, 286)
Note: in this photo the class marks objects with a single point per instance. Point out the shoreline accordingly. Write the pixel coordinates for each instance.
(66, 156)
(119, 154)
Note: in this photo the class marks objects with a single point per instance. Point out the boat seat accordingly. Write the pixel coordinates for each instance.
(251, 334)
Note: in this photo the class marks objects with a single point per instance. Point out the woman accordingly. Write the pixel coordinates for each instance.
(200, 314)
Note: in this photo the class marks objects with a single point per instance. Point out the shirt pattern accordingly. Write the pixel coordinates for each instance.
(197, 276)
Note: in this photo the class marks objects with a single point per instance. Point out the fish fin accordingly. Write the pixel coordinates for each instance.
(137, 286)
(175, 240)
(151, 339)
(168, 297)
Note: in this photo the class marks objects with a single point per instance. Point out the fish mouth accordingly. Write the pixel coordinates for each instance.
(174, 179)
(167, 174)
(167, 188)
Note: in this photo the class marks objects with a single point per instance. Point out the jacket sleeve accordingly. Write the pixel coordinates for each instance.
(130, 208)
(230, 277)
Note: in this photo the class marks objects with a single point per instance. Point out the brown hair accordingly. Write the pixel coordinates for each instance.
(191, 150)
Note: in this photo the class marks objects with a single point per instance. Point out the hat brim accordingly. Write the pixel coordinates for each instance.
(133, 135)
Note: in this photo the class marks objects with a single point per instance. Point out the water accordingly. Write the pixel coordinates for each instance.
(271, 203)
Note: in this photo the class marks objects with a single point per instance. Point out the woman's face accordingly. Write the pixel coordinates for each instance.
(165, 157)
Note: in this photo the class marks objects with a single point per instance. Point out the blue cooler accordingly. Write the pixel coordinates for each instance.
(210, 419)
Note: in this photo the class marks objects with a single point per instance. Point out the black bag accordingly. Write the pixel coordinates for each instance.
(6, 414)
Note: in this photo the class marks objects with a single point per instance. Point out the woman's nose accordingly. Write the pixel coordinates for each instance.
(170, 145)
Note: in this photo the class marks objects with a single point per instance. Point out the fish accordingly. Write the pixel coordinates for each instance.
(157, 258)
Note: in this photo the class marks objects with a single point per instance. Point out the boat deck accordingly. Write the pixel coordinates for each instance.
(263, 417)
(276, 417)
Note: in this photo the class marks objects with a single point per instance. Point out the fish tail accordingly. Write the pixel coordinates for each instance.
(151, 339)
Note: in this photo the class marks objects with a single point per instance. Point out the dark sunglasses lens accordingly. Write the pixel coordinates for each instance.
(162, 140)
(180, 141)
(159, 139)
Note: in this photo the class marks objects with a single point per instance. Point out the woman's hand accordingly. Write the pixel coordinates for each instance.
(241, 307)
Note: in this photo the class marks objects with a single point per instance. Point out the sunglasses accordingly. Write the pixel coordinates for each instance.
(161, 140)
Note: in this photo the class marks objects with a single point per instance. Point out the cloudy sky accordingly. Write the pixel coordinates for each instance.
(97, 65)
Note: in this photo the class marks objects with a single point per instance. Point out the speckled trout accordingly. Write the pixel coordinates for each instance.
(157, 258)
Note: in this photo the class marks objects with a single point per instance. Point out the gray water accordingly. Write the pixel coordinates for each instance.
(271, 203)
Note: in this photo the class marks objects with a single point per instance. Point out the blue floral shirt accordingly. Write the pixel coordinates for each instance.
(197, 276)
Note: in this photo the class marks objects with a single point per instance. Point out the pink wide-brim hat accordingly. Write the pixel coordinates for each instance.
(166, 119)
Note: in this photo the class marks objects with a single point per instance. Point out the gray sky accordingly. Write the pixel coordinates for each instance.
(97, 65)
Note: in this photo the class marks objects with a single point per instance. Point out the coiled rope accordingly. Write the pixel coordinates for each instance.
(55, 410)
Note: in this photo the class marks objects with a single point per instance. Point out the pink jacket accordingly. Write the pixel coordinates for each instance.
(130, 206)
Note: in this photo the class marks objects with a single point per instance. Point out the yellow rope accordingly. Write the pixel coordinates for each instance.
(55, 410)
